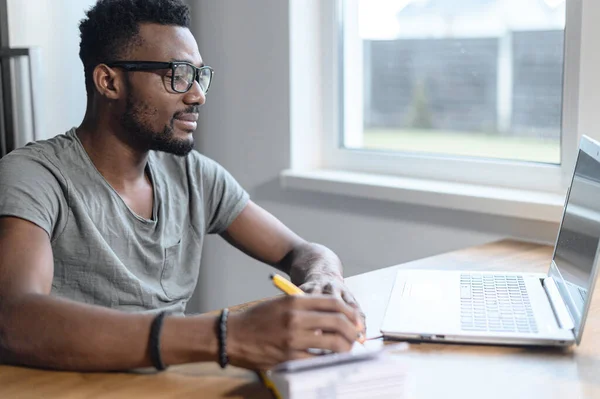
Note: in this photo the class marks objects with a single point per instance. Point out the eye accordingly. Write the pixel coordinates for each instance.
(175, 78)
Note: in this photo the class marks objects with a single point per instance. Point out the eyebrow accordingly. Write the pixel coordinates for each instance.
(188, 61)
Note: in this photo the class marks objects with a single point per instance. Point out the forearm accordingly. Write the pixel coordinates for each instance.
(48, 332)
(309, 260)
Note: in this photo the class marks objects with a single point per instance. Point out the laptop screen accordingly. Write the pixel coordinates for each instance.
(577, 243)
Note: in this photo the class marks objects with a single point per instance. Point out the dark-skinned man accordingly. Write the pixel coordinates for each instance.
(102, 228)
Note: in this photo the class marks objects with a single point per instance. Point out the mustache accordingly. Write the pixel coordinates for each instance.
(192, 109)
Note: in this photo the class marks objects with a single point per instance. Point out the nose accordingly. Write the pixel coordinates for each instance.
(195, 95)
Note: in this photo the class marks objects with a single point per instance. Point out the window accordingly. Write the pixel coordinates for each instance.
(454, 90)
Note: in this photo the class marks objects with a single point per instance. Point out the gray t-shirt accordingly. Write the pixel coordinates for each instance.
(104, 253)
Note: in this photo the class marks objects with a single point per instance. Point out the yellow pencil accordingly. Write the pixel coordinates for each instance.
(286, 285)
(291, 289)
(269, 384)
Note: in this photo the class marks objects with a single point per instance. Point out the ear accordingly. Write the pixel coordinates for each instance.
(108, 82)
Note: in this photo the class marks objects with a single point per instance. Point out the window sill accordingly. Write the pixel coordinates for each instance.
(523, 204)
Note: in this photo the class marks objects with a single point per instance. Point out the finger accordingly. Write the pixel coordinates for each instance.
(326, 304)
(349, 299)
(284, 357)
(299, 354)
(319, 323)
(328, 289)
(333, 290)
(327, 341)
(311, 288)
(362, 319)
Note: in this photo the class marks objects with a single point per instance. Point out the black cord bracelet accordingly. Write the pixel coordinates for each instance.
(222, 337)
(155, 329)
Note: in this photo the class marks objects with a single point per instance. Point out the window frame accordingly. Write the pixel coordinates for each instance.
(446, 168)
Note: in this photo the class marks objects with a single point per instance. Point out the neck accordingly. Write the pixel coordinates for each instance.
(120, 164)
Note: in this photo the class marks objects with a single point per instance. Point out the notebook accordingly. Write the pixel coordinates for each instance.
(369, 372)
(369, 350)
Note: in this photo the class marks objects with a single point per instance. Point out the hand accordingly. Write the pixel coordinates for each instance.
(334, 285)
(285, 328)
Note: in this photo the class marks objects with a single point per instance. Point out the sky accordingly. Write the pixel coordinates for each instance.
(389, 19)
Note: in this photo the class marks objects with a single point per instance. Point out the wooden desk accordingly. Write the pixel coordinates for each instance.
(433, 370)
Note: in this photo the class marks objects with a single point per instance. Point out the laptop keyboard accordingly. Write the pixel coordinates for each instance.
(496, 303)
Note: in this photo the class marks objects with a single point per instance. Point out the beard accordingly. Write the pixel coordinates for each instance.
(142, 136)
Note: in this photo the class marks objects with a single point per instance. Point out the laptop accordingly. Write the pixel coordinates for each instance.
(505, 307)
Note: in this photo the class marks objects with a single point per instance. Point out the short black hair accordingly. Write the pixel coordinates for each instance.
(111, 27)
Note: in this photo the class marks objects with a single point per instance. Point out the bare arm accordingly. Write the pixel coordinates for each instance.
(39, 330)
(312, 266)
(261, 235)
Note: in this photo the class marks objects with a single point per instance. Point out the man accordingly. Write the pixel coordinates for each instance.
(101, 228)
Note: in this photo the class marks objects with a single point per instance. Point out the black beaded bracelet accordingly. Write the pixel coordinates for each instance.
(155, 329)
(222, 337)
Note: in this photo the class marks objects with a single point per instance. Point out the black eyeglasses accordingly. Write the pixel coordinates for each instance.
(182, 74)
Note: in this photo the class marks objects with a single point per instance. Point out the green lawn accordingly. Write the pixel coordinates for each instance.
(464, 144)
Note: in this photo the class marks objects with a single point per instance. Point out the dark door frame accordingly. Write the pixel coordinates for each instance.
(7, 127)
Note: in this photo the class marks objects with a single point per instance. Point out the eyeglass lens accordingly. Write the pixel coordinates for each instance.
(183, 78)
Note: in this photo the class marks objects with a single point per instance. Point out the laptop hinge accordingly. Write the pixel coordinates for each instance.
(558, 305)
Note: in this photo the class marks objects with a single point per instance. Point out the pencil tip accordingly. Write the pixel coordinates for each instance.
(272, 276)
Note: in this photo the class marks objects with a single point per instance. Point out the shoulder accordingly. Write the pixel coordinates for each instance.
(42, 150)
(37, 159)
(33, 187)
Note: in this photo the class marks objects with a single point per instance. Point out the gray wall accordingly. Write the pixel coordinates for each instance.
(245, 125)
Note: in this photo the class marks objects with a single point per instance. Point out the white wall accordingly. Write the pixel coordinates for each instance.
(245, 125)
(53, 26)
